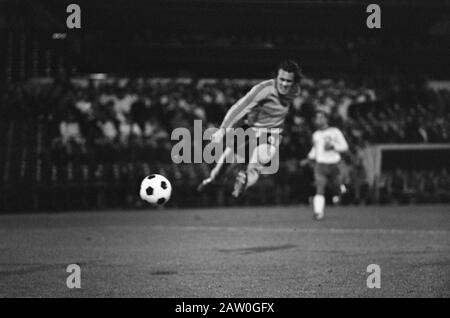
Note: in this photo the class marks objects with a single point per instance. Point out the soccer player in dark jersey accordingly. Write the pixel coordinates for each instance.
(265, 107)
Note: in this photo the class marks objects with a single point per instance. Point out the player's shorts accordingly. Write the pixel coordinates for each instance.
(326, 174)
(262, 149)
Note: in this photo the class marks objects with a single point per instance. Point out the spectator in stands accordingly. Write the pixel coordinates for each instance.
(108, 130)
(140, 110)
(71, 138)
(129, 132)
(83, 105)
(154, 135)
(122, 104)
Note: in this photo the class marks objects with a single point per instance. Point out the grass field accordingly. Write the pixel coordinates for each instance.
(234, 252)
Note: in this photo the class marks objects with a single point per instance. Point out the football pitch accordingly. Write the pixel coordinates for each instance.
(228, 252)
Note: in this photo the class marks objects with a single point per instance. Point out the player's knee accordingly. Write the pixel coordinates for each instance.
(254, 168)
(265, 154)
(320, 190)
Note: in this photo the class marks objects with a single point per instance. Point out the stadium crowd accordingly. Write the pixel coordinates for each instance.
(122, 120)
(143, 112)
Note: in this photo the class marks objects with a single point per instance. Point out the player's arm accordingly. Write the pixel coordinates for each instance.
(244, 105)
(312, 154)
(309, 159)
(339, 142)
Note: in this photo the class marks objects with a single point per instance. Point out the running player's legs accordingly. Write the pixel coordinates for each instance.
(334, 180)
(320, 182)
(320, 178)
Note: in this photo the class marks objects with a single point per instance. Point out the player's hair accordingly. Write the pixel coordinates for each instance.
(291, 66)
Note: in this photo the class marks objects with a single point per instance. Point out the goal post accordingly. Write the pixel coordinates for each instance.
(384, 157)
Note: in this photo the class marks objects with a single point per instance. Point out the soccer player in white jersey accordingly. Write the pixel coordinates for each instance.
(265, 107)
(328, 144)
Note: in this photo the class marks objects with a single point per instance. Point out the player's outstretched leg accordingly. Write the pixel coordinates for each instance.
(245, 179)
(205, 183)
(216, 171)
(336, 184)
(212, 177)
(261, 155)
(240, 184)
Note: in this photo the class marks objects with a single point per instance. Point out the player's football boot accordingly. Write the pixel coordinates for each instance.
(205, 183)
(318, 216)
(239, 184)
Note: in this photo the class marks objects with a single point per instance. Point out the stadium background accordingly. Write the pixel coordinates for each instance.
(86, 114)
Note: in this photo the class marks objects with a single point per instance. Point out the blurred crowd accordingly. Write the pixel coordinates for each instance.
(143, 112)
(414, 186)
(416, 115)
(114, 120)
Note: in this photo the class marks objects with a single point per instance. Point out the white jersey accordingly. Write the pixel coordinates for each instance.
(332, 136)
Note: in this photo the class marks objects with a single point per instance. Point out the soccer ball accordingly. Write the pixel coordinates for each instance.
(155, 189)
